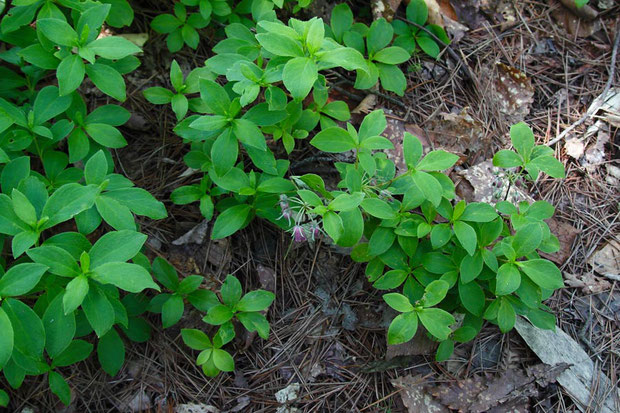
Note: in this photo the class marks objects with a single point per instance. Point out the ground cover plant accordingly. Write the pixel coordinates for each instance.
(76, 278)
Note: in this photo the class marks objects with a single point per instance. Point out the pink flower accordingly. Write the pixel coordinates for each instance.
(314, 229)
(299, 234)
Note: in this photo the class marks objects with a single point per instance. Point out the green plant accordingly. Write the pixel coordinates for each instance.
(531, 158)
(182, 28)
(234, 304)
(433, 257)
(410, 37)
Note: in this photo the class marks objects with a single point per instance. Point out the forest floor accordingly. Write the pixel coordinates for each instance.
(327, 349)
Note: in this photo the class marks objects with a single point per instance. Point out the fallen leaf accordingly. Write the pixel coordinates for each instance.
(606, 261)
(196, 235)
(587, 386)
(366, 105)
(566, 234)
(459, 133)
(573, 24)
(574, 148)
(414, 396)
(196, 408)
(588, 282)
(512, 92)
(384, 8)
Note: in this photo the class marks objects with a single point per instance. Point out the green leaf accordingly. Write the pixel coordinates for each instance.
(437, 160)
(68, 201)
(28, 330)
(381, 240)
(165, 23)
(129, 277)
(224, 152)
(165, 273)
(218, 315)
(402, 328)
(346, 202)
(472, 297)
(435, 292)
(172, 311)
(440, 235)
(280, 45)
(231, 291)
(195, 339)
(478, 212)
(378, 208)
(333, 140)
(230, 221)
(158, 95)
(180, 105)
(299, 75)
(255, 301)
(508, 279)
(549, 165)
(6, 338)
(77, 351)
(140, 202)
(543, 272)
(58, 31)
(445, 350)
(437, 322)
(98, 310)
(107, 80)
(428, 45)
(466, 236)
(49, 104)
(223, 360)
(392, 55)
(398, 302)
(412, 150)
(216, 95)
(255, 321)
(113, 47)
(391, 279)
(248, 133)
(59, 387)
(522, 139)
(190, 283)
(506, 316)
(507, 159)
(59, 327)
(470, 267)
(392, 78)
(111, 352)
(116, 246)
(417, 12)
(118, 216)
(96, 169)
(430, 187)
(541, 319)
(20, 279)
(70, 74)
(74, 294)
(527, 239)
(4, 397)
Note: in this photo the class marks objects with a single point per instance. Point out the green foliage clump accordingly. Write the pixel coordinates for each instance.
(64, 295)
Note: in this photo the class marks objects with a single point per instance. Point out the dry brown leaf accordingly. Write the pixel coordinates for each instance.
(512, 92)
(507, 392)
(566, 234)
(589, 283)
(459, 133)
(435, 15)
(384, 8)
(574, 148)
(573, 24)
(414, 396)
(606, 261)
